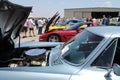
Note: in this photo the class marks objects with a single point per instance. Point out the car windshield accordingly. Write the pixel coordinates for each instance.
(79, 48)
(74, 27)
(61, 24)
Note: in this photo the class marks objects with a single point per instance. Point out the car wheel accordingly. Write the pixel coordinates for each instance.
(54, 38)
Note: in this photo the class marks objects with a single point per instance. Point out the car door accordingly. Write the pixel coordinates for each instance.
(109, 56)
(15, 75)
(101, 67)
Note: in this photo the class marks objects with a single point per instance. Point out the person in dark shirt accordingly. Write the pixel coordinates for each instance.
(119, 19)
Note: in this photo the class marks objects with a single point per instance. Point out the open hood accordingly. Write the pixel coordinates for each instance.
(12, 18)
(52, 21)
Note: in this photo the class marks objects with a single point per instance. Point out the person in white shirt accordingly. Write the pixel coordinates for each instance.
(40, 26)
(31, 26)
(94, 22)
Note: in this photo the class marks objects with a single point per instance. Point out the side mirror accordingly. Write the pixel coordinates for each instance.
(116, 69)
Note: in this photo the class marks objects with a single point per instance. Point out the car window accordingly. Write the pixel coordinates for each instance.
(74, 26)
(72, 22)
(77, 50)
(105, 59)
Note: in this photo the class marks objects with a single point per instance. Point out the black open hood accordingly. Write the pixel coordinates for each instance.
(52, 21)
(12, 18)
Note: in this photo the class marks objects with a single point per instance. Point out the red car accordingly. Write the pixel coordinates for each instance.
(61, 35)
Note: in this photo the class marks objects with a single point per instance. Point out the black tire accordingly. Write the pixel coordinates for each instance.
(53, 38)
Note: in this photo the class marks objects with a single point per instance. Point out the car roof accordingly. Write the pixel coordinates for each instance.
(105, 31)
(76, 25)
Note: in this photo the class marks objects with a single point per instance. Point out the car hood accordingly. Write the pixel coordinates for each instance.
(52, 21)
(12, 18)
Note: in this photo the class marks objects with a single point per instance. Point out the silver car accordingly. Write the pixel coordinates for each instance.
(91, 55)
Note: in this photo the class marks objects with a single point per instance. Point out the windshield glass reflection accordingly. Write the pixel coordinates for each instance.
(79, 48)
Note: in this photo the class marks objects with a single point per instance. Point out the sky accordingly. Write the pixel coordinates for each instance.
(47, 8)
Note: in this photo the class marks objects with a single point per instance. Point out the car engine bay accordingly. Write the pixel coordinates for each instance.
(27, 57)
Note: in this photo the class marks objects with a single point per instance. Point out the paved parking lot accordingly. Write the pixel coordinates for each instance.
(28, 38)
(33, 38)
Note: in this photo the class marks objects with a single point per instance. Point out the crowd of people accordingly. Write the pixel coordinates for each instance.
(105, 20)
(31, 25)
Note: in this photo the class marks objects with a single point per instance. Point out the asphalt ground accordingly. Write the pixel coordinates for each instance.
(33, 38)
(29, 38)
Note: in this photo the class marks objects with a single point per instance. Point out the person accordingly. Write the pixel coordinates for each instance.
(119, 19)
(94, 22)
(107, 20)
(104, 20)
(31, 27)
(25, 29)
(36, 24)
(91, 19)
(87, 19)
(40, 26)
(100, 22)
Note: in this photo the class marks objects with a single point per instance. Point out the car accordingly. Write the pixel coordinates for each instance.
(63, 35)
(64, 25)
(93, 53)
